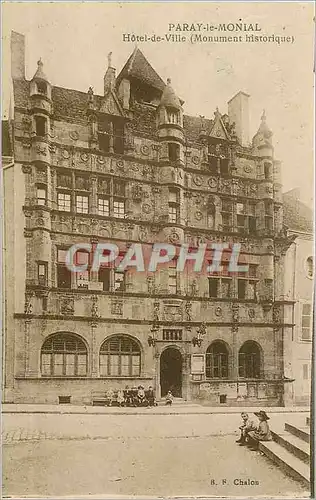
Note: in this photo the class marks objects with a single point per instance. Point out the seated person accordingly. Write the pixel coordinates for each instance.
(262, 433)
(246, 426)
(141, 398)
(169, 398)
(150, 396)
(110, 396)
(120, 397)
(134, 394)
(128, 400)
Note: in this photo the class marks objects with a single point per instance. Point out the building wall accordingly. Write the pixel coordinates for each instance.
(299, 287)
(148, 305)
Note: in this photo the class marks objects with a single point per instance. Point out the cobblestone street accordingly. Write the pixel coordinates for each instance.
(136, 455)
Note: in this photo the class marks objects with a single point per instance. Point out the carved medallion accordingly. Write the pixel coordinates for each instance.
(73, 135)
(195, 160)
(65, 153)
(197, 180)
(144, 150)
(84, 157)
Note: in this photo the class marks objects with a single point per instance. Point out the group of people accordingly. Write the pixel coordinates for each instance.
(250, 433)
(132, 396)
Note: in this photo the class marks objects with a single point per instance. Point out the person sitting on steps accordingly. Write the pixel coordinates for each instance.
(262, 433)
(169, 398)
(247, 425)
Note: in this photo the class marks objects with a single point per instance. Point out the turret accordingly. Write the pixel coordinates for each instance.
(262, 141)
(170, 125)
(39, 83)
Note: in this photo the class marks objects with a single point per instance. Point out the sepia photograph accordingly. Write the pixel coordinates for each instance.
(157, 249)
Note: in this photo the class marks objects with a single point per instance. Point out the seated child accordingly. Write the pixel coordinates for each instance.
(110, 396)
(263, 431)
(120, 397)
(141, 396)
(169, 398)
(150, 396)
(247, 425)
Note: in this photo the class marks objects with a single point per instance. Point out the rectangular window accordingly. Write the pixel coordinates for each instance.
(173, 116)
(104, 278)
(213, 287)
(82, 204)
(173, 151)
(173, 213)
(82, 182)
(172, 335)
(119, 281)
(253, 270)
(225, 288)
(241, 223)
(40, 126)
(64, 202)
(267, 171)
(63, 273)
(119, 209)
(242, 289)
(41, 195)
(119, 188)
(172, 277)
(42, 268)
(224, 166)
(173, 206)
(104, 207)
(306, 322)
(227, 210)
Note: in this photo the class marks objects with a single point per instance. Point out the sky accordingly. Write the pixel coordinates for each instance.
(74, 39)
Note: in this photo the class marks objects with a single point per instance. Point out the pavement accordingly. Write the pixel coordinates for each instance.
(180, 408)
(148, 454)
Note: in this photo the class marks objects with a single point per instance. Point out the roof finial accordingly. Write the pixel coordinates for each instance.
(109, 59)
(169, 81)
(40, 62)
(263, 117)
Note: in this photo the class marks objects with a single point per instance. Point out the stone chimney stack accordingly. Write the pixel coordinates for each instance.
(238, 112)
(17, 55)
(109, 77)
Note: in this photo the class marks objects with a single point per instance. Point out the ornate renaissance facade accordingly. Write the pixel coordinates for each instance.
(129, 166)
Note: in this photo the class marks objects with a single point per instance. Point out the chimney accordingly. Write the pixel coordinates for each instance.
(238, 112)
(109, 77)
(17, 55)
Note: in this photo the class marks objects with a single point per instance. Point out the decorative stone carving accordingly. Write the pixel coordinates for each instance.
(144, 150)
(218, 311)
(247, 169)
(84, 157)
(41, 150)
(172, 311)
(94, 308)
(174, 237)
(212, 182)
(137, 192)
(28, 307)
(26, 169)
(251, 313)
(198, 215)
(67, 306)
(156, 311)
(65, 153)
(276, 314)
(151, 284)
(101, 160)
(194, 288)
(235, 310)
(195, 160)
(188, 310)
(117, 307)
(197, 180)
(74, 135)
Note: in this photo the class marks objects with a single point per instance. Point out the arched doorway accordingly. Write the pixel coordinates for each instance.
(171, 372)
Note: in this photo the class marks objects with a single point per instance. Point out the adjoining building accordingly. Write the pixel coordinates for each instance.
(299, 287)
(129, 166)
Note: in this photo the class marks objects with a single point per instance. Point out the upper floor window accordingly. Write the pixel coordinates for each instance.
(111, 279)
(173, 151)
(246, 217)
(40, 126)
(310, 267)
(172, 335)
(63, 273)
(42, 87)
(64, 202)
(227, 215)
(82, 204)
(173, 205)
(42, 268)
(41, 194)
(173, 116)
(306, 322)
(267, 170)
(172, 277)
(111, 134)
(111, 197)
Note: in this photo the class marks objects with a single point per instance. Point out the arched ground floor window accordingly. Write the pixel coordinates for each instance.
(249, 360)
(120, 356)
(216, 361)
(64, 355)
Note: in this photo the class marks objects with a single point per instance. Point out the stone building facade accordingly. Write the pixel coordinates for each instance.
(129, 166)
(299, 287)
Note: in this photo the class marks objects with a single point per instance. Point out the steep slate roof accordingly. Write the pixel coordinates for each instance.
(138, 67)
(296, 215)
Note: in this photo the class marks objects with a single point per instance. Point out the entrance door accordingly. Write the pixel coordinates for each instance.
(171, 372)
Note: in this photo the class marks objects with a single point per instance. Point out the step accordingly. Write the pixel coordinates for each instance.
(293, 444)
(300, 432)
(290, 464)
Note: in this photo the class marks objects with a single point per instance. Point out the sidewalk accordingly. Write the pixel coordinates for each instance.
(177, 409)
